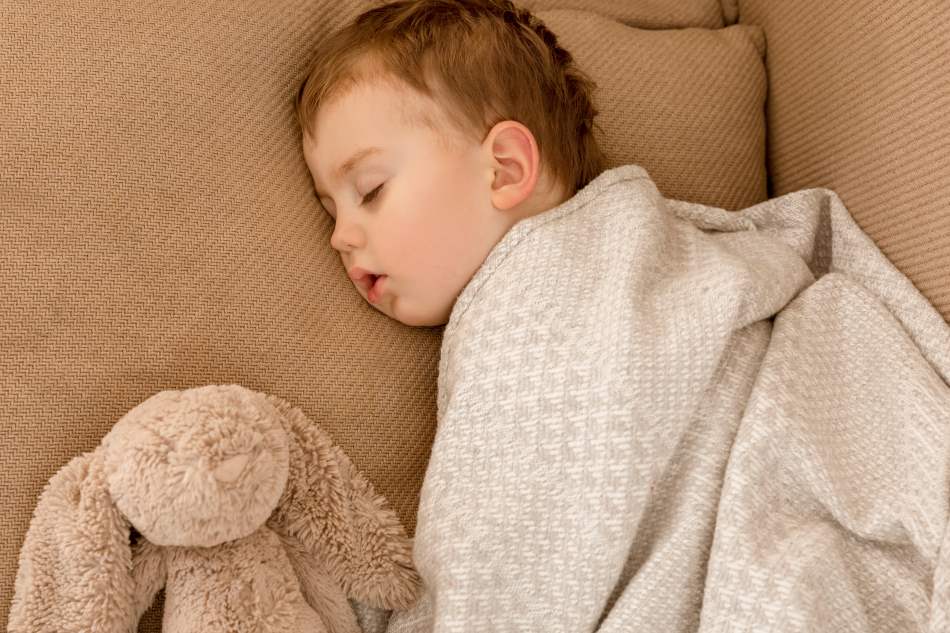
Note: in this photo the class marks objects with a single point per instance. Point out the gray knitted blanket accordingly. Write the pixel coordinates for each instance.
(661, 416)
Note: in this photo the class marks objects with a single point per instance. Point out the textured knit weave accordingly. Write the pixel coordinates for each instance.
(661, 416)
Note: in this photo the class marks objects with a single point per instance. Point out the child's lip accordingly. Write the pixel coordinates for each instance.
(356, 273)
(375, 292)
(362, 276)
(371, 283)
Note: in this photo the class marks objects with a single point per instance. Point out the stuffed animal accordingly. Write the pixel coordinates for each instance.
(234, 502)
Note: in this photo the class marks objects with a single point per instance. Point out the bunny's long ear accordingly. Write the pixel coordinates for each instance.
(76, 562)
(334, 513)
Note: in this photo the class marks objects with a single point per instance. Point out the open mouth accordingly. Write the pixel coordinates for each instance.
(368, 281)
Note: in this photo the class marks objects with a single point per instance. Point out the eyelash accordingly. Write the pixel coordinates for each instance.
(368, 198)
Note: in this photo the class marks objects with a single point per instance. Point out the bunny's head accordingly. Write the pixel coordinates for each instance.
(198, 467)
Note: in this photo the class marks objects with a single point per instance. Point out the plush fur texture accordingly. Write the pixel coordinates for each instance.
(233, 501)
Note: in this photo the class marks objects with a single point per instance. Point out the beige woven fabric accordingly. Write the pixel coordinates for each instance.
(859, 102)
(705, 86)
(159, 232)
(656, 415)
(648, 14)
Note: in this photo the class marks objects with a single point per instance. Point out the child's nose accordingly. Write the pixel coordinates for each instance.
(347, 236)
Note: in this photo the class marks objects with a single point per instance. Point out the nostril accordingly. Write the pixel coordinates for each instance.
(231, 468)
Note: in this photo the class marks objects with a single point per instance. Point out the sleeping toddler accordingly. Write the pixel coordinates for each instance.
(430, 128)
(623, 443)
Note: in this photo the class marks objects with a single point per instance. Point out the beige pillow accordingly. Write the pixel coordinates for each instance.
(649, 14)
(160, 231)
(686, 104)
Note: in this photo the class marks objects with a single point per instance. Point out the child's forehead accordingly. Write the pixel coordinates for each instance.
(348, 126)
(386, 96)
(367, 97)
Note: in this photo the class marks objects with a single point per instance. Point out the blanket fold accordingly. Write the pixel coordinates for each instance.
(656, 415)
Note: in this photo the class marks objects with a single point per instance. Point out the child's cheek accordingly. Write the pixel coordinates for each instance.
(404, 239)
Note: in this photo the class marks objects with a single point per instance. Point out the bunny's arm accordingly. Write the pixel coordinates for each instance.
(149, 573)
(319, 588)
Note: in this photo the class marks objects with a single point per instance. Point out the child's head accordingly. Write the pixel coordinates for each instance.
(479, 120)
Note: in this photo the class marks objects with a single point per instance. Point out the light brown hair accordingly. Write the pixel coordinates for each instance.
(483, 61)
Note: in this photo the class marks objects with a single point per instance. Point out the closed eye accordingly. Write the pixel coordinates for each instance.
(371, 195)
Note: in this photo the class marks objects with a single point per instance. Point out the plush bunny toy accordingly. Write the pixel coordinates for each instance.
(242, 509)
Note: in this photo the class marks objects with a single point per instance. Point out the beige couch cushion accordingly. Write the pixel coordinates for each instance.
(859, 102)
(160, 230)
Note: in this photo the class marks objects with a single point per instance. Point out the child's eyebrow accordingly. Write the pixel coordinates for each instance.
(350, 164)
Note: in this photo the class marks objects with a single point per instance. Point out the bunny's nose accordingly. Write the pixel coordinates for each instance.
(230, 469)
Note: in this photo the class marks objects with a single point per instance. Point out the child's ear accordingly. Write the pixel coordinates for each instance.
(516, 163)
